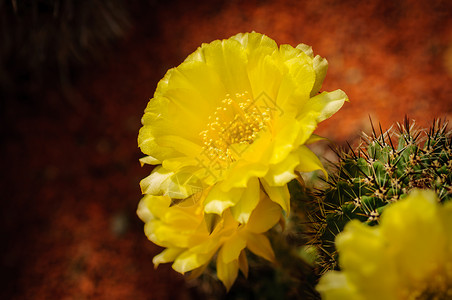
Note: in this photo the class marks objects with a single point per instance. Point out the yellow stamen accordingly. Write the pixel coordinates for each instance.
(237, 121)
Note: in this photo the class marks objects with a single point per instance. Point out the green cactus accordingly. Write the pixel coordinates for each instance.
(380, 171)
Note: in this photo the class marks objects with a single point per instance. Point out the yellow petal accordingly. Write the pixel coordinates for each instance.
(163, 235)
(217, 200)
(260, 49)
(258, 152)
(287, 129)
(197, 272)
(265, 216)
(326, 104)
(320, 67)
(227, 272)
(183, 184)
(211, 221)
(446, 217)
(308, 161)
(307, 123)
(306, 49)
(189, 83)
(314, 138)
(156, 183)
(148, 145)
(232, 248)
(188, 261)
(280, 174)
(334, 286)
(182, 145)
(149, 230)
(363, 253)
(257, 45)
(278, 194)
(200, 82)
(260, 245)
(177, 163)
(151, 207)
(228, 58)
(414, 223)
(143, 211)
(248, 201)
(239, 176)
(196, 256)
(243, 263)
(297, 84)
(162, 85)
(149, 160)
(167, 255)
(290, 99)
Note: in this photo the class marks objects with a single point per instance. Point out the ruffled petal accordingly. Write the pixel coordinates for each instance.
(334, 286)
(280, 174)
(248, 201)
(299, 80)
(149, 160)
(183, 145)
(314, 138)
(243, 263)
(362, 251)
(260, 49)
(325, 104)
(260, 245)
(265, 216)
(166, 256)
(308, 161)
(227, 272)
(188, 261)
(151, 207)
(306, 49)
(232, 248)
(239, 176)
(320, 65)
(157, 182)
(148, 145)
(415, 225)
(228, 59)
(218, 200)
(278, 194)
(286, 130)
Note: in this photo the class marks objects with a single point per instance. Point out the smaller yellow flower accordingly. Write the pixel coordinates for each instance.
(192, 238)
(407, 256)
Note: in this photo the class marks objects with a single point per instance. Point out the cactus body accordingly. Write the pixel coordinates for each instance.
(380, 171)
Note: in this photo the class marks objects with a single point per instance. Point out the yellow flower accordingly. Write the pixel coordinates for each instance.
(235, 116)
(192, 239)
(407, 256)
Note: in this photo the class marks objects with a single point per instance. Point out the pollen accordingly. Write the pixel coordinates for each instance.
(238, 120)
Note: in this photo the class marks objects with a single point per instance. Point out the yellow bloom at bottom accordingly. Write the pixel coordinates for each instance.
(407, 256)
(192, 238)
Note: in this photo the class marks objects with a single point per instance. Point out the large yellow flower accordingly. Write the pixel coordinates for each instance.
(407, 256)
(192, 239)
(235, 116)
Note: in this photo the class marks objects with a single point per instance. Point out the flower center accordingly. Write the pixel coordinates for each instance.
(234, 124)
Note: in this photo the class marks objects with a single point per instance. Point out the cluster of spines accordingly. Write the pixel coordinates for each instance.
(382, 170)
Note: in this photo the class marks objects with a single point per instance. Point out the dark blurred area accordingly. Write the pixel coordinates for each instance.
(75, 77)
(44, 42)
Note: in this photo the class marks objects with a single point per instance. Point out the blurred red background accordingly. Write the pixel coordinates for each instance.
(70, 183)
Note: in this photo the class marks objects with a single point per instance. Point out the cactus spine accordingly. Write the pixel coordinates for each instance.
(382, 170)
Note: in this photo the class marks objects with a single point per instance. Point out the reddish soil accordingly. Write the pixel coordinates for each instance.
(71, 172)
